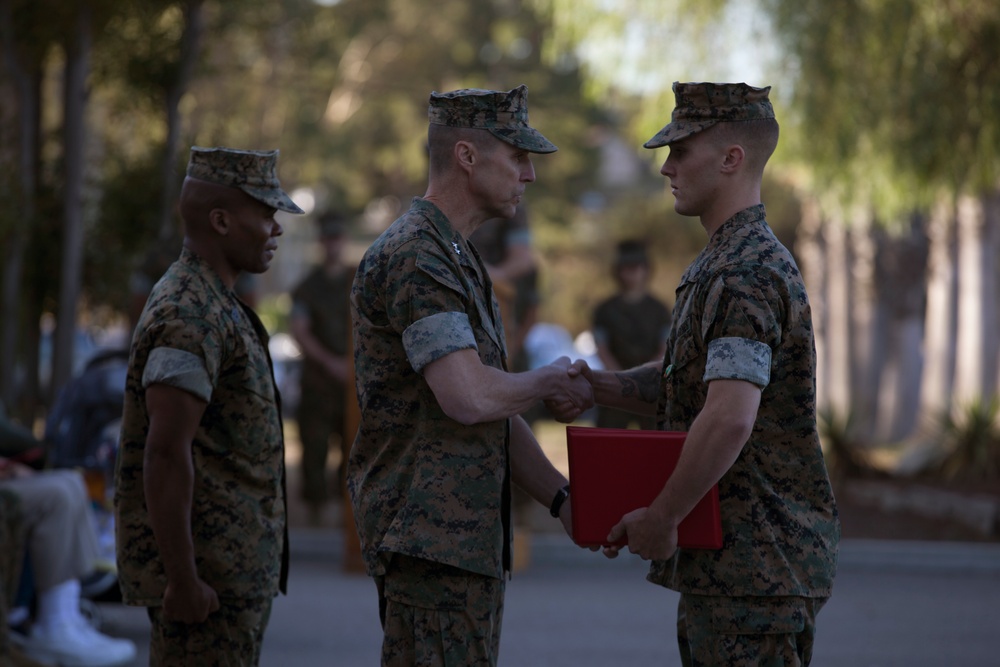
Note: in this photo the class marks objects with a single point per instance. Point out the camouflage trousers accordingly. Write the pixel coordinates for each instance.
(746, 632)
(230, 637)
(435, 615)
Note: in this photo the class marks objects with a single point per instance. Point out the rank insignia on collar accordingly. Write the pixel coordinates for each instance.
(458, 251)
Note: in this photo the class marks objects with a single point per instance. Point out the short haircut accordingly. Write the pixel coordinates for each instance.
(758, 137)
(199, 198)
(441, 139)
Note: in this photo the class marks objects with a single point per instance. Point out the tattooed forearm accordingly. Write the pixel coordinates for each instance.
(642, 382)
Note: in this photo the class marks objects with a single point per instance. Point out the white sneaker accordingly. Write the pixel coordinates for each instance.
(77, 644)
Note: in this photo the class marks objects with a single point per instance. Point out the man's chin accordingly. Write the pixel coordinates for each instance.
(681, 209)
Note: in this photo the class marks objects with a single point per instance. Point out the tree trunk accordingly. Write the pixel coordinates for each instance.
(903, 256)
(811, 248)
(867, 326)
(27, 84)
(838, 319)
(970, 372)
(990, 203)
(940, 317)
(190, 47)
(78, 51)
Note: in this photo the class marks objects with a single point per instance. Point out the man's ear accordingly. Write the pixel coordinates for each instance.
(218, 218)
(465, 155)
(733, 158)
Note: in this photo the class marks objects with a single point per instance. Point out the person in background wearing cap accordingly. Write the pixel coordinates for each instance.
(740, 377)
(630, 327)
(441, 439)
(200, 503)
(320, 323)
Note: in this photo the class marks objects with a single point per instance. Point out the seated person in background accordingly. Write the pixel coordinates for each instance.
(11, 557)
(62, 547)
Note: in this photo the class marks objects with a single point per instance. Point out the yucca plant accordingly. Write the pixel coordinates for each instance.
(971, 439)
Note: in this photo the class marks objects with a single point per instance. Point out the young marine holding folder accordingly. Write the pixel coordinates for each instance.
(739, 377)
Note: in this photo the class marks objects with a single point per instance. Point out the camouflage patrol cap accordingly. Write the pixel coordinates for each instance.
(702, 105)
(253, 172)
(503, 114)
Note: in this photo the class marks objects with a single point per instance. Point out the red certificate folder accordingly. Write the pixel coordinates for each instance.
(613, 471)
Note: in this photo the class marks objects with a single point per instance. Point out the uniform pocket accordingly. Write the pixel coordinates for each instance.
(416, 582)
(758, 619)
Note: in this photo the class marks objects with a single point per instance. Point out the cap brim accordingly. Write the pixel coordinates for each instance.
(525, 138)
(676, 131)
(276, 198)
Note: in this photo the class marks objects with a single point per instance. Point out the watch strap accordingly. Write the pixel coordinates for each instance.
(557, 502)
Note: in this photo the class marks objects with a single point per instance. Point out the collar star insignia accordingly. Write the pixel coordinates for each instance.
(458, 250)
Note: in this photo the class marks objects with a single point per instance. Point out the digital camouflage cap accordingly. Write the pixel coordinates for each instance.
(502, 114)
(699, 106)
(253, 172)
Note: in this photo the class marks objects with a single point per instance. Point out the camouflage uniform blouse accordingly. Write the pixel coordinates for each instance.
(196, 335)
(421, 483)
(742, 313)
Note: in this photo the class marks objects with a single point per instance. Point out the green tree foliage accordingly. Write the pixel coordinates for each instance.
(903, 93)
(343, 89)
(340, 88)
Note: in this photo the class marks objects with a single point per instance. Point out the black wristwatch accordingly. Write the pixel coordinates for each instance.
(557, 502)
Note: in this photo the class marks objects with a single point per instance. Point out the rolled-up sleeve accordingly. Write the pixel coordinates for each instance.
(738, 359)
(180, 369)
(435, 336)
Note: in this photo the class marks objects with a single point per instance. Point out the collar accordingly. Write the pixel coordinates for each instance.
(452, 239)
(748, 215)
(194, 263)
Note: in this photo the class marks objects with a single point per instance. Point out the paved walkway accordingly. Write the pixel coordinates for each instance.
(895, 604)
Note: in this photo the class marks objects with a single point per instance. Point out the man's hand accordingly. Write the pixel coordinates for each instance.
(568, 408)
(189, 602)
(649, 535)
(566, 517)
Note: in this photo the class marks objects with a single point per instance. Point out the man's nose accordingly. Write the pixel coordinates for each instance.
(528, 173)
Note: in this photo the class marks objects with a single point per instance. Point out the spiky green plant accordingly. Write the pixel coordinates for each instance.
(971, 438)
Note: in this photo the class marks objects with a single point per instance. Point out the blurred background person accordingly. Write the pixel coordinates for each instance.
(320, 323)
(631, 327)
(506, 249)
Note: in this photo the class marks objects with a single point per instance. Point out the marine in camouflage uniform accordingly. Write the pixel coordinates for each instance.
(740, 377)
(431, 494)
(196, 336)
